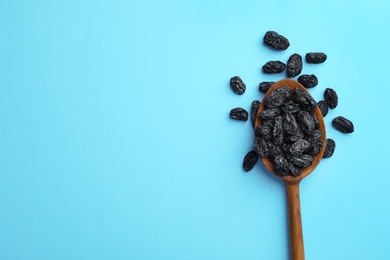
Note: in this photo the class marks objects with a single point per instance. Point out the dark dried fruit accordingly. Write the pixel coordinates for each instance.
(278, 97)
(299, 147)
(294, 170)
(315, 57)
(316, 134)
(343, 125)
(266, 85)
(281, 165)
(276, 41)
(269, 113)
(264, 131)
(294, 65)
(289, 123)
(274, 67)
(329, 148)
(308, 80)
(297, 136)
(274, 150)
(277, 133)
(239, 113)
(254, 109)
(315, 147)
(268, 122)
(331, 97)
(306, 122)
(292, 107)
(261, 147)
(250, 160)
(323, 106)
(237, 85)
(302, 161)
(304, 99)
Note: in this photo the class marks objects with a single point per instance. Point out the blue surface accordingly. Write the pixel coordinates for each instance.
(115, 140)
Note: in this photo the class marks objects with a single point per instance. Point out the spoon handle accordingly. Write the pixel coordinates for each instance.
(295, 222)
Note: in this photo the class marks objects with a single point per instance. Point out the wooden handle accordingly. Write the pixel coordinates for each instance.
(295, 222)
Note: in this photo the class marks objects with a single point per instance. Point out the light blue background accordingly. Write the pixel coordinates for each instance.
(115, 140)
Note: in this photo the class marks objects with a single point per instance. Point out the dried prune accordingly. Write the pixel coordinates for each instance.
(329, 148)
(294, 65)
(316, 57)
(268, 122)
(316, 147)
(316, 134)
(343, 125)
(278, 97)
(281, 165)
(276, 41)
(302, 160)
(254, 109)
(294, 170)
(289, 123)
(250, 160)
(237, 85)
(297, 136)
(299, 147)
(306, 122)
(292, 107)
(331, 97)
(304, 99)
(269, 113)
(239, 113)
(261, 147)
(273, 67)
(277, 132)
(323, 106)
(264, 131)
(274, 150)
(308, 80)
(266, 85)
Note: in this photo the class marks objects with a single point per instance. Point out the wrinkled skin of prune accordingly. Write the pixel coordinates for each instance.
(331, 98)
(274, 150)
(306, 122)
(316, 57)
(239, 113)
(302, 160)
(261, 147)
(294, 170)
(276, 41)
(291, 106)
(323, 106)
(278, 97)
(254, 109)
(290, 125)
(237, 85)
(281, 165)
(277, 133)
(250, 160)
(308, 80)
(316, 147)
(268, 122)
(269, 113)
(294, 65)
(304, 99)
(264, 131)
(265, 86)
(300, 147)
(273, 67)
(297, 136)
(343, 125)
(329, 148)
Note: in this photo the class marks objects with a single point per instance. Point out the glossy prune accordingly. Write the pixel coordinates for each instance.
(329, 148)
(250, 160)
(294, 65)
(273, 67)
(302, 160)
(237, 85)
(266, 85)
(305, 100)
(300, 147)
(316, 57)
(281, 165)
(277, 97)
(239, 113)
(331, 98)
(269, 113)
(276, 41)
(323, 106)
(308, 80)
(254, 109)
(343, 125)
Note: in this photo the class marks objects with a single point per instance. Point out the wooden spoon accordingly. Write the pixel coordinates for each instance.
(292, 183)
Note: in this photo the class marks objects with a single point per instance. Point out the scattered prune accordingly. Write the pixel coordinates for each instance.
(278, 97)
(289, 123)
(264, 131)
(254, 109)
(269, 113)
(343, 125)
(265, 86)
(277, 132)
(316, 57)
(276, 41)
(294, 170)
(331, 97)
(237, 85)
(299, 147)
(239, 113)
(273, 67)
(250, 160)
(281, 165)
(323, 106)
(304, 99)
(294, 65)
(308, 80)
(329, 148)
(302, 160)
(261, 147)
(306, 122)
